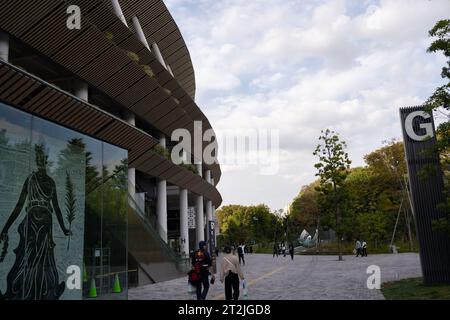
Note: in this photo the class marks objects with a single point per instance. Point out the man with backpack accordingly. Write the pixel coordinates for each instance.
(201, 264)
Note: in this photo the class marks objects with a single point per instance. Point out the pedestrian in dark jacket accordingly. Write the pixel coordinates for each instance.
(291, 251)
(201, 265)
(241, 254)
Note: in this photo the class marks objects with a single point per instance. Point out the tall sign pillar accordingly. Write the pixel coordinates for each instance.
(212, 235)
(426, 192)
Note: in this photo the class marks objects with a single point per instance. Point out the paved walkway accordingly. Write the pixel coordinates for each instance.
(304, 278)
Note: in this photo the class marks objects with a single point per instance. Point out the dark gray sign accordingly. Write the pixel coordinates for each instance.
(212, 235)
(426, 185)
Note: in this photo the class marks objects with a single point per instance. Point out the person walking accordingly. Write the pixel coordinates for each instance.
(358, 248)
(283, 250)
(230, 273)
(201, 264)
(364, 248)
(275, 250)
(217, 252)
(291, 251)
(241, 254)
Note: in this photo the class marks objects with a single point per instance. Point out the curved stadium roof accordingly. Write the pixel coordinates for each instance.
(161, 100)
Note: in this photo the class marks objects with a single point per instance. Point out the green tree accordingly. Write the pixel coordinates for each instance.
(332, 169)
(247, 223)
(367, 207)
(304, 209)
(441, 98)
(370, 200)
(387, 166)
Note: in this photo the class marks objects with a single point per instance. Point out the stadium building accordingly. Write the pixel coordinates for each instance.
(88, 187)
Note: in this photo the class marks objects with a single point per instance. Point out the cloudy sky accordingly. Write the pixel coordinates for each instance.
(299, 66)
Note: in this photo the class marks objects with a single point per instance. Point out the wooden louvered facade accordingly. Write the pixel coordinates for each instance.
(33, 95)
(164, 101)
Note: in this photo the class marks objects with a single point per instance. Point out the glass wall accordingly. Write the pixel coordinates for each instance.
(63, 205)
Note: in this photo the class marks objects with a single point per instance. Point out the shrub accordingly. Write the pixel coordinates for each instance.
(148, 70)
(163, 152)
(109, 35)
(190, 167)
(133, 56)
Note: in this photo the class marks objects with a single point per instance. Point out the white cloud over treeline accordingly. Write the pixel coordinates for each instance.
(303, 66)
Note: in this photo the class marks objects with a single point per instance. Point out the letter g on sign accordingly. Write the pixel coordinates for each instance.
(427, 126)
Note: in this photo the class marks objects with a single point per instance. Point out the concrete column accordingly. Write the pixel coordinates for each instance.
(209, 211)
(129, 118)
(209, 217)
(208, 202)
(161, 209)
(208, 176)
(215, 219)
(161, 204)
(81, 90)
(118, 11)
(184, 231)
(4, 46)
(132, 186)
(158, 55)
(139, 31)
(200, 222)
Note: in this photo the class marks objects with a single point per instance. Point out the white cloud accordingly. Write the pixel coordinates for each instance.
(302, 66)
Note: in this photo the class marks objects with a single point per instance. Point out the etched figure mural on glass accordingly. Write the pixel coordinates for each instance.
(34, 275)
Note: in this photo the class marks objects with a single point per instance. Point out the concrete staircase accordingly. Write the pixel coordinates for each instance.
(153, 260)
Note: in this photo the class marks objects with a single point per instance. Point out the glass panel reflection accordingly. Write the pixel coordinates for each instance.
(63, 204)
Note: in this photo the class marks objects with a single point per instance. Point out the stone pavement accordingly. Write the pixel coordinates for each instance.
(304, 278)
